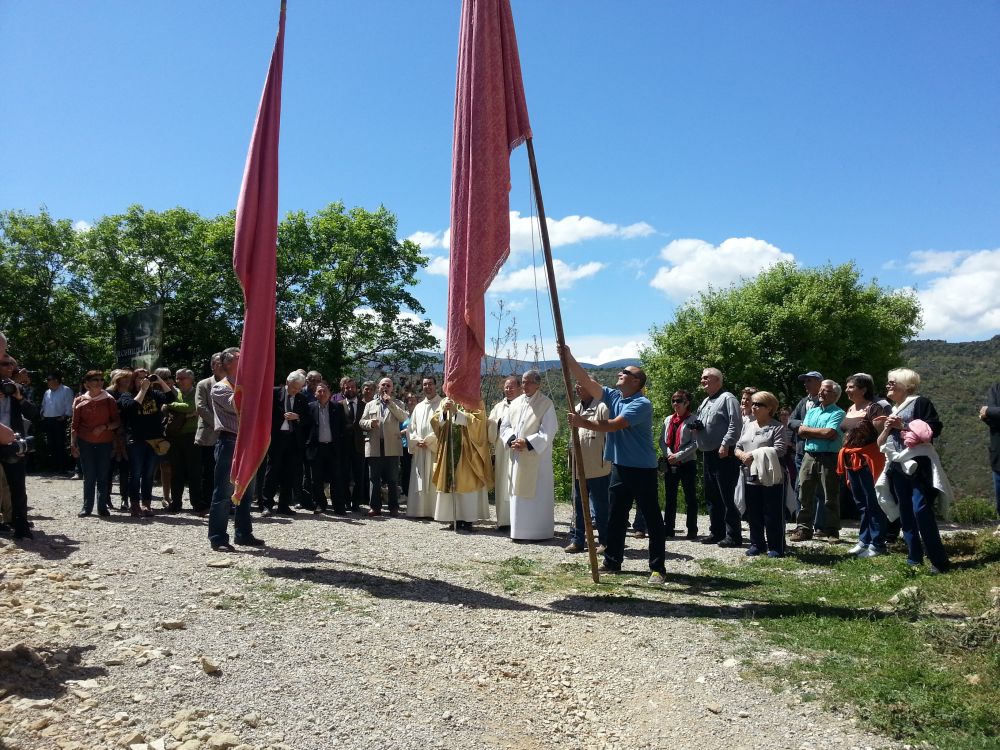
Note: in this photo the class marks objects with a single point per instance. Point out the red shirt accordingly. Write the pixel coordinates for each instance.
(90, 413)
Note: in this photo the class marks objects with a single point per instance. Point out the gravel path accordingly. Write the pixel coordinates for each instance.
(358, 633)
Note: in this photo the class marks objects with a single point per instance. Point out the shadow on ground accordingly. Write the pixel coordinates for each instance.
(401, 586)
(42, 672)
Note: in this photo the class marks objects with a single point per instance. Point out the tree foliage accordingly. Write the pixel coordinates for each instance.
(788, 320)
(344, 303)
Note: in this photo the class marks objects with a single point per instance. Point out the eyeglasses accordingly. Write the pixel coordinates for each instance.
(891, 384)
(628, 372)
(757, 403)
(678, 401)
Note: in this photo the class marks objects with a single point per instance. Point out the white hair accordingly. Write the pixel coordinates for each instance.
(296, 377)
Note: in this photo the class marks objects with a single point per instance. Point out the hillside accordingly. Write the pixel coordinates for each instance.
(956, 377)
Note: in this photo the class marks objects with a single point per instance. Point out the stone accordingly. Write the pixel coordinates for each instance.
(190, 745)
(131, 738)
(715, 708)
(730, 663)
(223, 563)
(180, 730)
(167, 550)
(252, 719)
(223, 741)
(208, 666)
(173, 625)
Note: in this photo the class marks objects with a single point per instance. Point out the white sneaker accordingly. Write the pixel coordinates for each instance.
(858, 549)
(657, 579)
(872, 552)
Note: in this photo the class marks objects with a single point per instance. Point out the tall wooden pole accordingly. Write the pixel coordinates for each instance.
(581, 478)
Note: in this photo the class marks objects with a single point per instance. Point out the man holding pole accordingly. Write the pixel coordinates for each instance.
(633, 461)
(462, 471)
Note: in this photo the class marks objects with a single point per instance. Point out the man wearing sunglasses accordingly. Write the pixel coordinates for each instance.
(630, 449)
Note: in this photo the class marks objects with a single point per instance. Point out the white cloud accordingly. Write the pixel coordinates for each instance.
(598, 348)
(640, 229)
(962, 304)
(438, 265)
(426, 240)
(935, 261)
(524, 279)
(569, 230)
(82, 226)
(694, 264)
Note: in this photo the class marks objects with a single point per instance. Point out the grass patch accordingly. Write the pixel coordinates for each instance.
(268, 595)
(924, 670)
(973, 510)
(516, 575)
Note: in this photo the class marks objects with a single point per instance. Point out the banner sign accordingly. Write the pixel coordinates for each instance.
(139, 338)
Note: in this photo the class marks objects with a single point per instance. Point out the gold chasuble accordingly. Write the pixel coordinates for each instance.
(464, 447)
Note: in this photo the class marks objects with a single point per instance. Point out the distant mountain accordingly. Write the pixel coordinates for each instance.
(504, 366)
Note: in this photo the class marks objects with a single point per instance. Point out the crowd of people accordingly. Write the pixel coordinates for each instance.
(372, 450)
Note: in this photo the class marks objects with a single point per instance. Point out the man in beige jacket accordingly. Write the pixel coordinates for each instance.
(596, 469)
(381, 422)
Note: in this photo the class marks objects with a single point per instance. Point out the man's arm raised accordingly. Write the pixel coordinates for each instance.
(591, 386)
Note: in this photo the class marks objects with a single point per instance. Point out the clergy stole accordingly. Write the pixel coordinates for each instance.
(525, 417)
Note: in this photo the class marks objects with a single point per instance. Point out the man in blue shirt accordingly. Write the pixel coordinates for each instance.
(630, 450)
(821, 432)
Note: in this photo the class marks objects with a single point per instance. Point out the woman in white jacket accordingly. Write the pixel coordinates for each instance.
(760, 449)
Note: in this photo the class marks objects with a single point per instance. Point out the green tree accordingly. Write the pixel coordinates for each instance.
(344, 303)
(786, 321)
(42, 306)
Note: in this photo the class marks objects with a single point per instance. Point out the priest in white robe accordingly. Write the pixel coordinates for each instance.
(528, 430)
(463, 473)
(501, 453)
(422, 445)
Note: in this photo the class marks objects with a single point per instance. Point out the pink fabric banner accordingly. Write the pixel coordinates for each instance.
(491, 120)
(255, 260)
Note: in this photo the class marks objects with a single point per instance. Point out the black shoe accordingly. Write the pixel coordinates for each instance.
(104, 513)
(23, 534)
(730, 542)
(606, 568)
(250, 541)
(711, 539)
(286, 511)
(84, 513)
(223, 547)
(692, 535)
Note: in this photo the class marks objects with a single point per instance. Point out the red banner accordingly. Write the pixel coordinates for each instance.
(491, 120)
(255, 260)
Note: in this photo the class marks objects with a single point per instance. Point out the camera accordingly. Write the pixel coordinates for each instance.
(17, 450)
(697, 425)
(8, 387)
(153, 378)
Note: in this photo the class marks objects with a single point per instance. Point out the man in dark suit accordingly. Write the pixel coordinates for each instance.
(289, 428)
(14, 407)
(354, 468)
(323, 446)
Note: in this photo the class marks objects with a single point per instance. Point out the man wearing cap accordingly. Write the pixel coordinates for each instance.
(811, 381)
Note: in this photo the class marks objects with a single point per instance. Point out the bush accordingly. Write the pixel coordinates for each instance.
(971, 510)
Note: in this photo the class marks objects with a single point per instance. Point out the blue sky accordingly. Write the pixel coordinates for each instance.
(679, 144)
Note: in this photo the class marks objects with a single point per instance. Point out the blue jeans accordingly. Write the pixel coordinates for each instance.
(996, 488)
(873, 521)
(142, 460)
(95, 463)
(915, 496)
(597, 491)
(222, 496)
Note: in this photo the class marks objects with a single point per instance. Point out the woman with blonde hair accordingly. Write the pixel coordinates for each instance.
(760, 449)
(914, 493)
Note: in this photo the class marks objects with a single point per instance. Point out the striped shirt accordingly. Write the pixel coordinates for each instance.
(226, 417)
